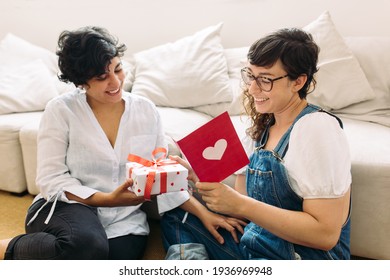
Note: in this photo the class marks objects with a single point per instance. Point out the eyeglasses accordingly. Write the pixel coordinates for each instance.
(264, 83)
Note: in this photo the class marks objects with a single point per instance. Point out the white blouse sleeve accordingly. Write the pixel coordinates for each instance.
(318, 158)
(53, 175)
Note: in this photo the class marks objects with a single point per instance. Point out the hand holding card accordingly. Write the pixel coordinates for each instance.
(214, 149)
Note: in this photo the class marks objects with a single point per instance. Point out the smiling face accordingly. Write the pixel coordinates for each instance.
(282, 93)
(107, 88)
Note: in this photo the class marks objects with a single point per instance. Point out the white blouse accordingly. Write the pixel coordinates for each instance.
(318, 158)
(74, 155)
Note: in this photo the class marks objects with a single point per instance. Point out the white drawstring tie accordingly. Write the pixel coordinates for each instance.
(53, 199)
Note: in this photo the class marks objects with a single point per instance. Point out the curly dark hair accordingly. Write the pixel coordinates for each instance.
(298, 53)
(86, 53)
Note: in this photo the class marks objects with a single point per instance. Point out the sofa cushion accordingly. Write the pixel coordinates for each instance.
(178, 123)
(234, 107)
(28, 140)
(340, 79)
(17, 51)
(374, 57)
(189, 72)
(370, 150)
(236, 59)
(25, 88)
(12, 173)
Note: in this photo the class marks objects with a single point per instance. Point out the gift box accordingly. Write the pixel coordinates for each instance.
(156, 177)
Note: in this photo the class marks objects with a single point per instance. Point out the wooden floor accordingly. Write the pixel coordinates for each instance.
(12, 213)
(13, 210)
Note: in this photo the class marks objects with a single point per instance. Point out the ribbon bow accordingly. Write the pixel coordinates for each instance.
(155, 163)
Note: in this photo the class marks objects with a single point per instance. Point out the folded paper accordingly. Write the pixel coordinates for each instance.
(214, 150)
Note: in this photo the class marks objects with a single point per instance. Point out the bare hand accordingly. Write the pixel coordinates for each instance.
(123, 196)
(213, 222)
(191, 173)
(220, 198)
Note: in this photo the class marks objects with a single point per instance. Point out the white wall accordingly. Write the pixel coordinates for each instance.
(142, 24)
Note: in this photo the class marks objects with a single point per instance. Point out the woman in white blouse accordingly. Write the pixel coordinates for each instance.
(85, 209)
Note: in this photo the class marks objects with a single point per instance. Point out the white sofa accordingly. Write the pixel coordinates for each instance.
(195, 79)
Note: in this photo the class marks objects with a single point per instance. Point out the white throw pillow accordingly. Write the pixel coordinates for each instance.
(236, 60)
(26, 88)
(374, 57)
(234, 107)
(189, 72)
(128, 64)
(340, 79)
(15, 50)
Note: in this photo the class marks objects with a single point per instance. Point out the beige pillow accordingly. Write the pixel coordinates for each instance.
(189, 72)
(340, 79)
(374, 56)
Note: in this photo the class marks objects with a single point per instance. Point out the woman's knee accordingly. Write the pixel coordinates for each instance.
(46, 246)
(86, 244)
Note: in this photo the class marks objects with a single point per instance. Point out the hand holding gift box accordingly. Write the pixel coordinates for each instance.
(158, 176)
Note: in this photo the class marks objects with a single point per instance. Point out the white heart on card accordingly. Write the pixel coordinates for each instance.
(215, 152)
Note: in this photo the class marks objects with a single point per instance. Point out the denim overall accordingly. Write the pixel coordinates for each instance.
(267, 181)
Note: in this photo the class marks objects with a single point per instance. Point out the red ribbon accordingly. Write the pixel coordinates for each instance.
(156, 164)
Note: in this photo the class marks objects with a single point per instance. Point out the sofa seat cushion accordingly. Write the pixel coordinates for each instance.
(370, 221)
(12, 173)
(369, 142)
(28, 139)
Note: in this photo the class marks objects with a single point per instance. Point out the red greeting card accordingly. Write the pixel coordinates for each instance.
(214, 149)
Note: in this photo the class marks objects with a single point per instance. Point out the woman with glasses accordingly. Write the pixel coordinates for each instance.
(295, 195)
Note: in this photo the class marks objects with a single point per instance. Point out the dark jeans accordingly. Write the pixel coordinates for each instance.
(73, 232)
